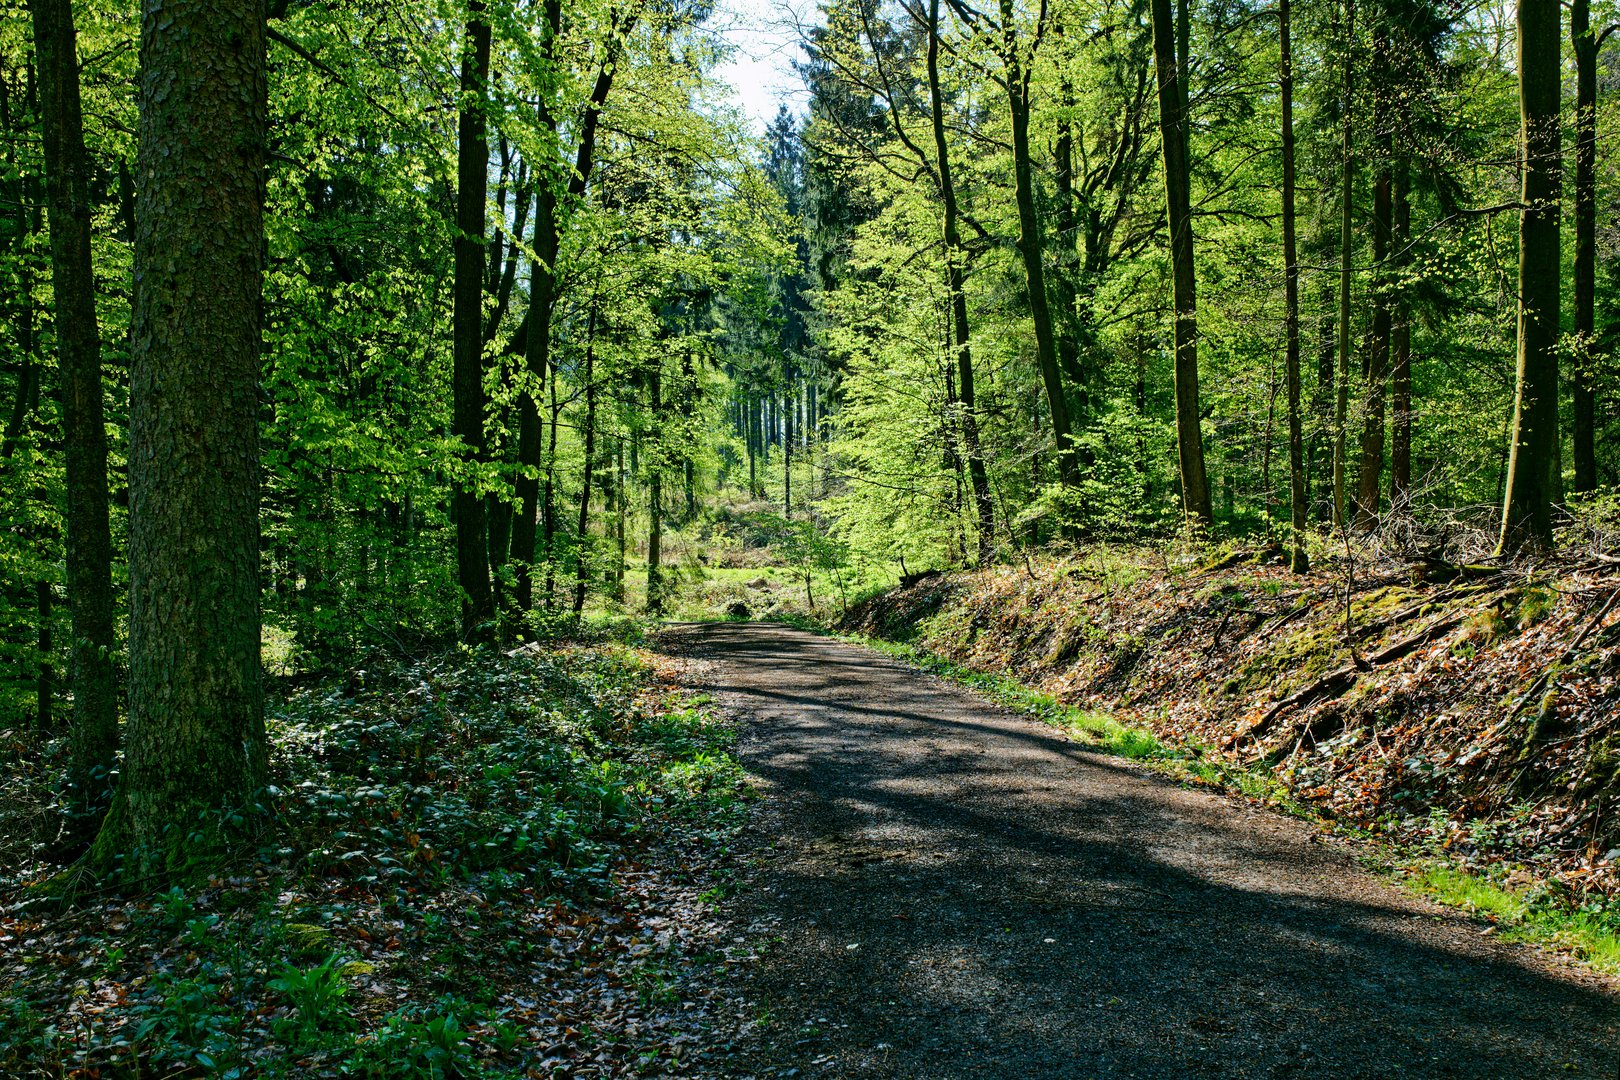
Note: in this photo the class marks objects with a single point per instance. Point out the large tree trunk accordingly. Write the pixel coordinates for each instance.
(1346, 241)
(472, 183)
(1030, 246)
(1532, 479)
(94, 735)
(1580, 379)
(1296, 439)
(1171, 72)
(955, 264)
(195, 739)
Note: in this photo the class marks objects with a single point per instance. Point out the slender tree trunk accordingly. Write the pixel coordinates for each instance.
(621, 493)
(543, 292)
(549, 502)
(1580, 379)
(1299, 560)
(582, 561)
(45, 677)
(787, 459)
(472, 182)
(655, 505)
(1400, 450)
(93, 741)
(1532, 481)
(1375, 370)
(1030, 245)
(195, 738)
(751, 418)
(1178, 200)
(1346, 246)
(955, 263)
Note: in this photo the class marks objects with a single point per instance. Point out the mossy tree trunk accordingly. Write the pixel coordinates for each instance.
(1532, 478)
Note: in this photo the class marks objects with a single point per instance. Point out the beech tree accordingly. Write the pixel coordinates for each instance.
(1532, 476)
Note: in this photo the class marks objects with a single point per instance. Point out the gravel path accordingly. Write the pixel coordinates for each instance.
(940, 888)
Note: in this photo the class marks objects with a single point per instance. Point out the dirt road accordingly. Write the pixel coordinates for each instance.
(940, 888)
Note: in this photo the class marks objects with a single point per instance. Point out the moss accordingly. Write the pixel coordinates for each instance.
(1535, 603)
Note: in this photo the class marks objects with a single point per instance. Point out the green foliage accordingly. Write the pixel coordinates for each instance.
(443, 823)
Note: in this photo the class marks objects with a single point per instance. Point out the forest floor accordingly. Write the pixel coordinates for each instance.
(942, 888)
(482, 863)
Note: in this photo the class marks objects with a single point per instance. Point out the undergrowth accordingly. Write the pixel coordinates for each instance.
(469, 856)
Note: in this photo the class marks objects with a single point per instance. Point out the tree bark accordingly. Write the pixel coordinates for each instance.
(1030, 245)
(1400, 449)
(1171, 73)
(1375, 370)
(1299, 560)
(1580, 378)
(655, 505)
(1346, 246)
(543, 292)
(955, 264)
(582, 562)
(195, 739)
(93, 739)
(1532, 481)
(472, 184)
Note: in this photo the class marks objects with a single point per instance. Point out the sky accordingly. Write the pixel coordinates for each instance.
(765, 36)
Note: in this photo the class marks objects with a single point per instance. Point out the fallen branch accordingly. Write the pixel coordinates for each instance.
(1337, 681)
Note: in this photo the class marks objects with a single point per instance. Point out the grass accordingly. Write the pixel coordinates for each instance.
(1591, 934)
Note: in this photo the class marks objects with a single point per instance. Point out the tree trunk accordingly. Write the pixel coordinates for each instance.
(621, 493)
(93, 742)
(1376, 368)
(582, 562)
(1170, 68)
(543, 289)
(1580, 379)
(1346, 242)
(548, 503)
(1030, 245)
(655, 508)
(955, 263)
(1299, 561)
(472, 182)
(1532, 481)
(1400, 449)
(45, 677)
(195, 739)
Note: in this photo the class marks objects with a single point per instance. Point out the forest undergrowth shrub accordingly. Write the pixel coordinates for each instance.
(464, 847)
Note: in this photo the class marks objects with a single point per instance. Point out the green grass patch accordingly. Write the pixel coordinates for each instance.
(1535, 916)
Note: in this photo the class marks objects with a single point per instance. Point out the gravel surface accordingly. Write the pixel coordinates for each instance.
(941, 888)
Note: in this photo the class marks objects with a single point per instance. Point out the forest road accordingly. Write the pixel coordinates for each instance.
(940, 888)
